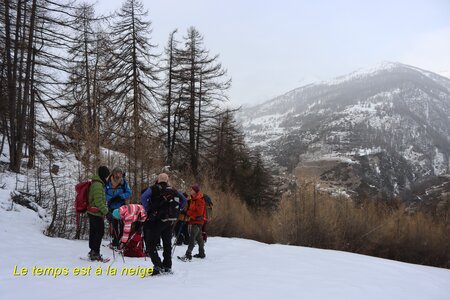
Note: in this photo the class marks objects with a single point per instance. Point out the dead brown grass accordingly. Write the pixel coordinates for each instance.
(308, 218)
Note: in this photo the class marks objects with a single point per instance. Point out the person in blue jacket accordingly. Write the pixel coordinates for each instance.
(163, 204)
(117, 192)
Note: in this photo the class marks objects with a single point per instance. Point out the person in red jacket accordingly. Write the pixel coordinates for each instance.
(197, 216)
(129, 214)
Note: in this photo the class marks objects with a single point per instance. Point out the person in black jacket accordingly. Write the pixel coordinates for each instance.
(162, 204)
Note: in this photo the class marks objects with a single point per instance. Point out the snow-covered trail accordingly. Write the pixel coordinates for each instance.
(233, 269)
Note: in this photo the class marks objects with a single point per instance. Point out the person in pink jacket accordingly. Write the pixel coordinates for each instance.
(129, 214)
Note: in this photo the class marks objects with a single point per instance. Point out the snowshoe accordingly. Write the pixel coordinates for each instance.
(103, 259)
(161, 271)
(185, 258)
(93, 256)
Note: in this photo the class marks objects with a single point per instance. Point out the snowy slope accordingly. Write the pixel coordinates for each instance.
(233, 269)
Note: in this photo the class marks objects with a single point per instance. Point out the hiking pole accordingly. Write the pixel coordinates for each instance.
(173, 228)
(174, 245)
(115, 235)
(124, 246)
(176, 238)
(123, 256)
(121, 253)
(145, 245)
(138, 245)
(110, 230)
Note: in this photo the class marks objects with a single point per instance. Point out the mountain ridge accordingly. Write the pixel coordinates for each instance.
(391, 118)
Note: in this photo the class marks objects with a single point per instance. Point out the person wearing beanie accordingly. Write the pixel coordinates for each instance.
(103, 173)
(162, 204)
(117, 192)
(116, 214)
(97, 200)
(196, 188)
(129, 214)
(197, 216)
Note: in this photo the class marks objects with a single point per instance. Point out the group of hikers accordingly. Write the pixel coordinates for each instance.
(163, 213)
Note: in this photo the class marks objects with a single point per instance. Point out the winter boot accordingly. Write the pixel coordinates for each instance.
(198, 255)
(157, 270)
(161, 271)
(94, 256)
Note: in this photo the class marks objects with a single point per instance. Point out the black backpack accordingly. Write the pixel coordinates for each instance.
(165, 203)
(209, 206)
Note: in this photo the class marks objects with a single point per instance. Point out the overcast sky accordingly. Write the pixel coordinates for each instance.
(271, 47)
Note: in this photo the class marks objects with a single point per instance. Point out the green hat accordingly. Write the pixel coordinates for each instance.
(116, 214)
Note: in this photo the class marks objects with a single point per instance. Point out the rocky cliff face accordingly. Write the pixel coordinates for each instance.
(377, 132)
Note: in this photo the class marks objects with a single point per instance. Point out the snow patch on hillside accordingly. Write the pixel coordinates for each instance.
(363, 72)
(439, 163)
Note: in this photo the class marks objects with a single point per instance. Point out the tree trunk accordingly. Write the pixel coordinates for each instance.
(86, 69)
(18, 117)
(197, 141)
(136, 98)
(169, 104)
(192, 112)
(51, 228)
(31, 133)
(11, 90)
(3, 143)
(26, 94)
(95, 117)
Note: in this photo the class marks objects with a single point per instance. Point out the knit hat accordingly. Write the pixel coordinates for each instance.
(117, 170)
(196, 188)
(163, 177)
(103, 173)
(116, 214)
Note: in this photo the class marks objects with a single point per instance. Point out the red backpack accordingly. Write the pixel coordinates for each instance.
(82, 199)
(135, 246)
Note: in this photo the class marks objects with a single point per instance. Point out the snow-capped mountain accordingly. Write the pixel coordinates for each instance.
(375, 131)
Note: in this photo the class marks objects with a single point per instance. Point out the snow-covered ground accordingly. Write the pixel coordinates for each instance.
(233, 269)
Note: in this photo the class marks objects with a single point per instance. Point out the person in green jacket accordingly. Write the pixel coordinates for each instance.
(97, 201)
